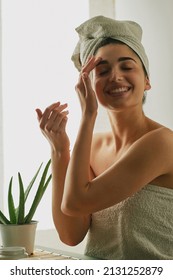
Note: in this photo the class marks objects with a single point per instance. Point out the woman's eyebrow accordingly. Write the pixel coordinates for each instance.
(124, 58)
(102, 62)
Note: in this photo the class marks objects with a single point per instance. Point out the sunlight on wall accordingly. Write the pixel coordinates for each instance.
(38, 40)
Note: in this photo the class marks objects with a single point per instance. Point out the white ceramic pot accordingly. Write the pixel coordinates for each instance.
(19, 235)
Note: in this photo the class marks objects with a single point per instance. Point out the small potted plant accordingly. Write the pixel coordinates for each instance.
(19, 229)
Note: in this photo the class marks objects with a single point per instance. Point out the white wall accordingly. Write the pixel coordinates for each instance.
(38, 40)
(102, 7)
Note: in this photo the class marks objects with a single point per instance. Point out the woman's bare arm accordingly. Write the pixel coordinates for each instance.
(71, 230)
(147, 159)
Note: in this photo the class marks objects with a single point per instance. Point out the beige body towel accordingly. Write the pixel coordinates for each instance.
(140, 227)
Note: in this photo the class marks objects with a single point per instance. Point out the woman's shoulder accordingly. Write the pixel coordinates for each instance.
(158, 131)
(158, 143)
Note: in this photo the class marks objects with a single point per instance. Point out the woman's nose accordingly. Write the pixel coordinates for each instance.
(116, 76)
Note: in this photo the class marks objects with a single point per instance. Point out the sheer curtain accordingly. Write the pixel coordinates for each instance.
(38, 39)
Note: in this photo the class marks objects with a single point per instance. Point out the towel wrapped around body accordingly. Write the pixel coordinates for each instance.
(140, 227)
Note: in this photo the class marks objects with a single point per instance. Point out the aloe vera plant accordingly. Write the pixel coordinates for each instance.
(17, 214)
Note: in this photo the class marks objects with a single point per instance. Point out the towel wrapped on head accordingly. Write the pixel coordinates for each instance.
(95, 30)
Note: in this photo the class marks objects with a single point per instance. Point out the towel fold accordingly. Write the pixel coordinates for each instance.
(95, 30)
(140, 227)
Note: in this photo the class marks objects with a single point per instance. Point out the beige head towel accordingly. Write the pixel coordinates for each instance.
(93, 31)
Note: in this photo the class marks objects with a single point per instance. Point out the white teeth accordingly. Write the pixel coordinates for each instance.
(117, 90)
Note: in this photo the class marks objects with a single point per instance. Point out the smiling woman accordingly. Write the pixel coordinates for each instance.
(115, 67)
(111, 184)
(37, 71)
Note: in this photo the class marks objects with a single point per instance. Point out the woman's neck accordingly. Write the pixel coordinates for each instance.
(127, 127)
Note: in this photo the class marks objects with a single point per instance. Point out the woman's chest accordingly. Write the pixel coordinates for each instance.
(104, 158)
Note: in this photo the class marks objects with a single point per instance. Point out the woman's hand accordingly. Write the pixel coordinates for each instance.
(53, 126)
(84, 88)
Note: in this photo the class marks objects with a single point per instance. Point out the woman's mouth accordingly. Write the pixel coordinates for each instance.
(118, 92)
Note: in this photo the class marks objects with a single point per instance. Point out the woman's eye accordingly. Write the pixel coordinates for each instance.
(127, 67)
(103, 72)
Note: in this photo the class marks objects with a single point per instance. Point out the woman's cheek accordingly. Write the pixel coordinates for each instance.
(96, 84)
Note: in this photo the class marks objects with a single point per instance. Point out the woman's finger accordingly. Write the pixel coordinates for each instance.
(54, 113)
(48, 113)
(61, 127)
(43, 116)
(54, 122)
(48, 110)
(87, 83)
(87, 68)
(90, 94)
(91, 64)
(39, 114)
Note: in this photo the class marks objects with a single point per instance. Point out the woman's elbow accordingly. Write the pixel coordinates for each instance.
(70, 209)
(75, 205)
(69, 236)
(68, 240)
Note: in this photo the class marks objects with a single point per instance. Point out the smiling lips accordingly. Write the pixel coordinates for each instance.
(118, 91)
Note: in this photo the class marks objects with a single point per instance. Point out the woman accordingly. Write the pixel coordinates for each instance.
(116, 186)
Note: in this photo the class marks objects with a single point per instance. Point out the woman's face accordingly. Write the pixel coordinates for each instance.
(118, 79)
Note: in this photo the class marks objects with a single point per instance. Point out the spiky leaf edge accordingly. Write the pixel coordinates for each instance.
(21, 207)
(28, 189)
(11, 207)
(3, 219)
(40, 191)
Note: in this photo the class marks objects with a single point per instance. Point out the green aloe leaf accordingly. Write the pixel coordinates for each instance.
(43, 177)
(36, 201)
(11, 207)
(21, 208)
(27, 191)
(17, 216)
(3, 219)
(40, 191)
